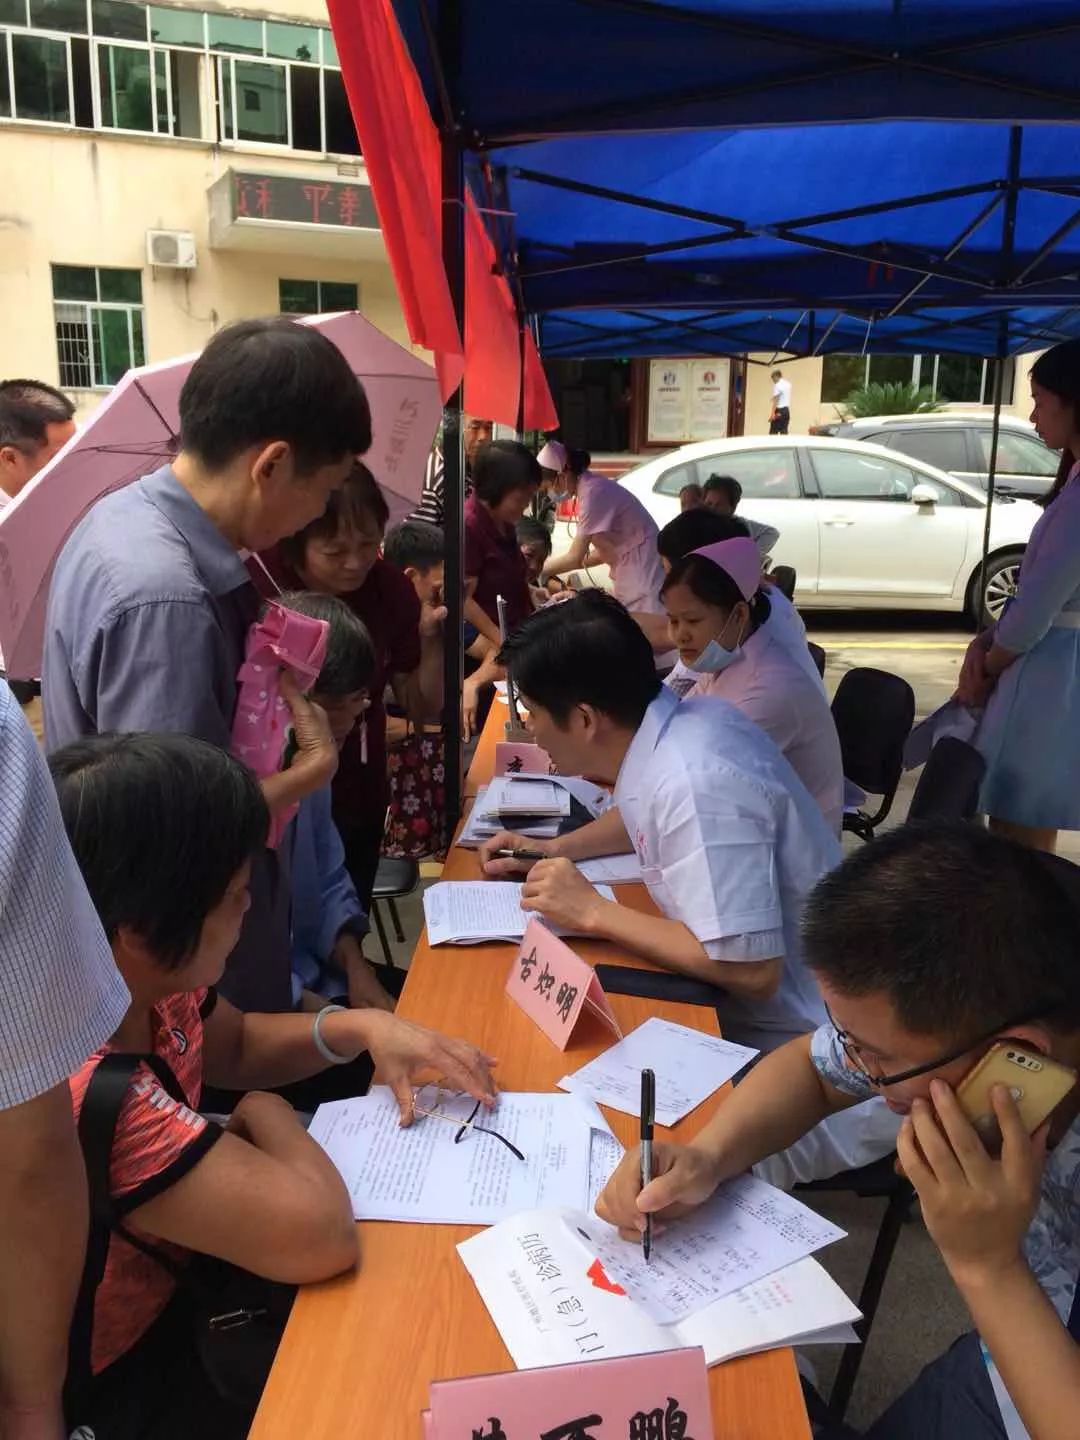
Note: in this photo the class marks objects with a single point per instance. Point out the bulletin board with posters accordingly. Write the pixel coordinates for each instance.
(687, 400)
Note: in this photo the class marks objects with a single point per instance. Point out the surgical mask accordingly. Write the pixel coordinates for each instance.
(715, 658)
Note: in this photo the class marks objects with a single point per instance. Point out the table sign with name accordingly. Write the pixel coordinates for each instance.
(553, 985)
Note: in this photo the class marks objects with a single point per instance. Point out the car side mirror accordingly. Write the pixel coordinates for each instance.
(924, 494)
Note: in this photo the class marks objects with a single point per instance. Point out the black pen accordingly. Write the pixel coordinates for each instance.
(648, 1115)
(518, 855)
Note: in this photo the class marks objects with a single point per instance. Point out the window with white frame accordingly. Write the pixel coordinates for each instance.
(115, 65)
(99, 324)
(964, 379)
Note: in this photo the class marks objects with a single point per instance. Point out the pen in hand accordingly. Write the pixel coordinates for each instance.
(508, 854)
(648, 1112)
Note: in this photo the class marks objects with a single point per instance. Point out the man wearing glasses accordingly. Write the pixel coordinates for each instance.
(929, 945)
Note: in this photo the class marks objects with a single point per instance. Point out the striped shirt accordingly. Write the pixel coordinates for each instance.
(63, 995)
(432, 507)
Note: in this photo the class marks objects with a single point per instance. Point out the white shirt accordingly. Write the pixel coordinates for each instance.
(625, 535)
(774, 691)
(730, 844)
(782, 394)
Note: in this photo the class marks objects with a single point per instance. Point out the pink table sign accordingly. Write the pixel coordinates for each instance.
(553, 985)
(514, 757)
(663, 1396)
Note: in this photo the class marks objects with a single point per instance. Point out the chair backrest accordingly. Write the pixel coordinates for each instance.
(874, 712)
(948, 787)
(784, 578)
(818, 656)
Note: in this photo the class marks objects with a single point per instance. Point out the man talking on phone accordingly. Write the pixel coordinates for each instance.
(931, 946)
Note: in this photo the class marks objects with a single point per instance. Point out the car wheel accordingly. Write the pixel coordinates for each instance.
(989, 596)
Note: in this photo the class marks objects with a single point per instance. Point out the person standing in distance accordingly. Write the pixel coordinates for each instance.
(780, 414)
(35, 421)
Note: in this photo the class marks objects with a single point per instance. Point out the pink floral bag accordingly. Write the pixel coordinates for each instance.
(281, 640)
(416, 819)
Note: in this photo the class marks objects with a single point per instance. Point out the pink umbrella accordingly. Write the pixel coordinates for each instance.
(135, 430)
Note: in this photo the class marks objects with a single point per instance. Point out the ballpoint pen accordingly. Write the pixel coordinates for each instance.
(509, 854)
(648, 1112)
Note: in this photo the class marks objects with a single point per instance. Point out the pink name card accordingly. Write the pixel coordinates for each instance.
(521, 758)
(665, 1395)
(553, 985)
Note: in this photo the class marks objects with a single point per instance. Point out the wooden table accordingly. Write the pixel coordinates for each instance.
(359, 1352)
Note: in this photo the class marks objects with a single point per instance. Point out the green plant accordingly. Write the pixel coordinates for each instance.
(895, 397)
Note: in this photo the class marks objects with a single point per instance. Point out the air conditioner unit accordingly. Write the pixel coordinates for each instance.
(171, 249)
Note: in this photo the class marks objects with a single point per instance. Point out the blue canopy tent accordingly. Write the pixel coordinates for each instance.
(632, 217)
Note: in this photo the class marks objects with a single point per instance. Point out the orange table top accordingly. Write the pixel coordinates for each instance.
(359, 1352)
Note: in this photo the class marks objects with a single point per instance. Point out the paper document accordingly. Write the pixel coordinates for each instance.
(746, 1231)
(509, 795)
(425, 1174)
(546, 1312)
(469, 912)
(612, 869)
(688, 1064)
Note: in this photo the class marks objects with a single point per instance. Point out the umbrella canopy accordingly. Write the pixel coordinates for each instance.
(136, 429)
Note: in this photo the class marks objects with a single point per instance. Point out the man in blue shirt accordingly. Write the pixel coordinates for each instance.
(150, 602)
(929, 946)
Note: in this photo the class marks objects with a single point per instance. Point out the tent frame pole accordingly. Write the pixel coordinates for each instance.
(445, 49)
(1008, 241)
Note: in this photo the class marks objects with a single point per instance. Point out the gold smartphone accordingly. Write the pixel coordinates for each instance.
(1037, 1084)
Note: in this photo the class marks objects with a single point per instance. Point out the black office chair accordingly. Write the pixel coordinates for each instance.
(874, 712)
(878, 1181)
(949, 785)
(784, 578)
(819, 657)
(393, 880)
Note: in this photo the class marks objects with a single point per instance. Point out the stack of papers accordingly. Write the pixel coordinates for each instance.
(689, 1065)
(424, 1174)
(470, 912)
(734, 1277)
(511, 795)
(486, 819)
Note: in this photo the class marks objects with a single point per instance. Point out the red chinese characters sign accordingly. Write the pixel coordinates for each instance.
(293, 199)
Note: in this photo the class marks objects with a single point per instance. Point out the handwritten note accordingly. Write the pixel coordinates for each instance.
(745, 1232)
(512, 758)
(665, 1394)
(689, 1065)
(553, 985)
(535, 1309)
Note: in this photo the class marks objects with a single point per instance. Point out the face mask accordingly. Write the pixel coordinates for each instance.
(716, 658)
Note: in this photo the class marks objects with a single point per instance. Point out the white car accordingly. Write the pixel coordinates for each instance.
(862, 527)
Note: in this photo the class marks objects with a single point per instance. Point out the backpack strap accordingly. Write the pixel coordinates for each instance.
(98, 1119)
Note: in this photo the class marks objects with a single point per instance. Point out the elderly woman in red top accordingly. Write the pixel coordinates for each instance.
(338, 554)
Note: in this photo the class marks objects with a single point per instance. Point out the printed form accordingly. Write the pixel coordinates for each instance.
(689, 1065)
(425, 1174)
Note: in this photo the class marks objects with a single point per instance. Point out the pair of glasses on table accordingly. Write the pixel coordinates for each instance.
(454, 1107)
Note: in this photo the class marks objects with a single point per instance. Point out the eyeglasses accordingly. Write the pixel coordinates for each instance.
(882, 1082)
(459, 1109)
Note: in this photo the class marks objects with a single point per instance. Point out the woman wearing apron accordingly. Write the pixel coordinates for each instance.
(1025, 669)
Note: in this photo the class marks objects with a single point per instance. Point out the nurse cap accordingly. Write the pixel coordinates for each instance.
(739, 558)
(552, 456)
